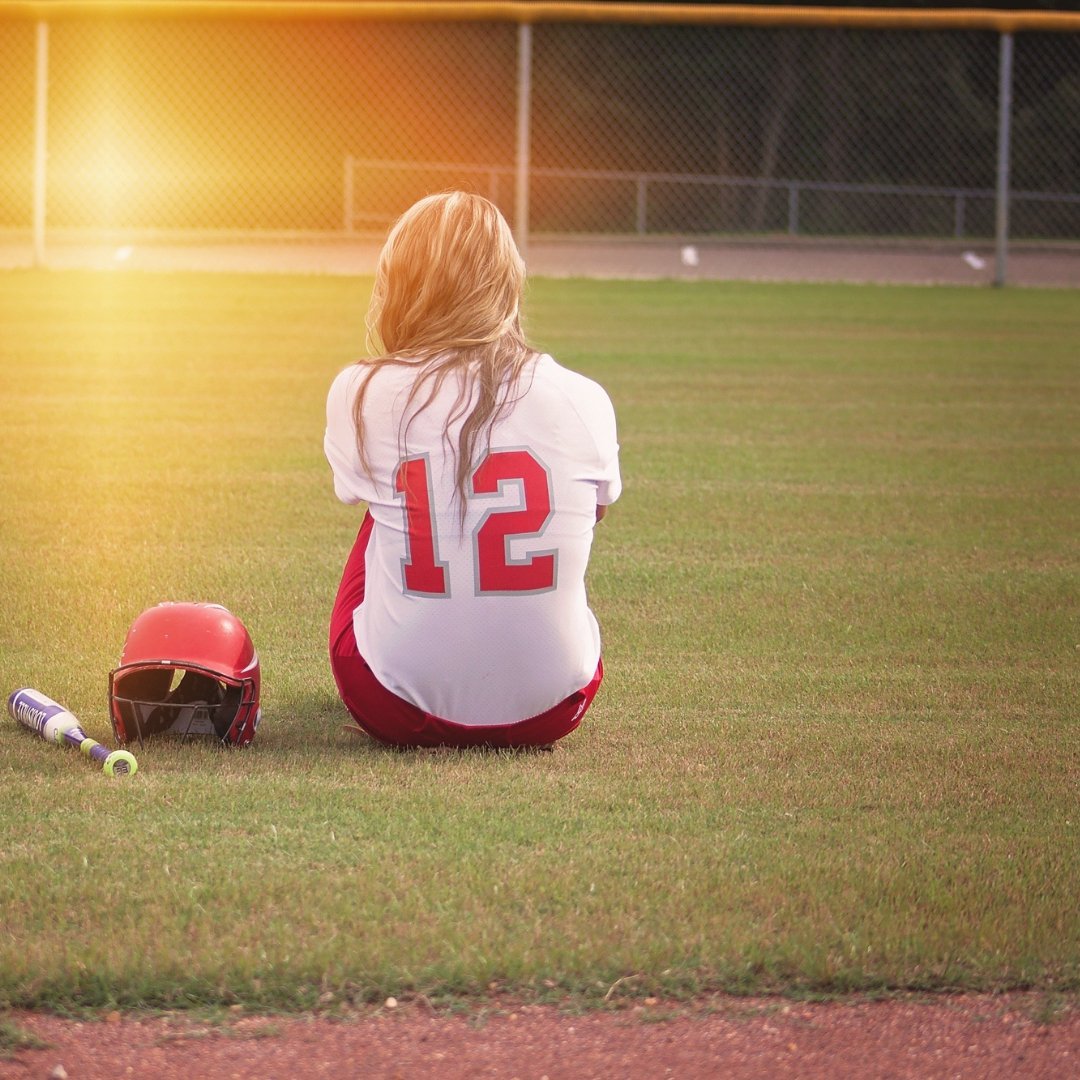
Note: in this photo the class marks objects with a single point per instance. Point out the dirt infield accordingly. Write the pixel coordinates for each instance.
(988, 1038)
(653, 258)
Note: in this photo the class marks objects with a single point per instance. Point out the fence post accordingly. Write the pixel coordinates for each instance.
(347, 216)
(1004, 131)
(41, 151)
(641, 211)
(524, 109)
(793, 210)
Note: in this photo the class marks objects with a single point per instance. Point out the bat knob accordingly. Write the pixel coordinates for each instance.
(120, 763)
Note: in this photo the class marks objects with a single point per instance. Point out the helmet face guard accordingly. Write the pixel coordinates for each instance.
(164, 699)
(187, 670)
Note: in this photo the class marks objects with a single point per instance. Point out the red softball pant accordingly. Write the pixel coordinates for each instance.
(390, 719)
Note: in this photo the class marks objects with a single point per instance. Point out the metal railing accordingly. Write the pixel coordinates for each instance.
(495, 181)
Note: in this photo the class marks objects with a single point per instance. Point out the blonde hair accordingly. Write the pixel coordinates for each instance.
(447, 302)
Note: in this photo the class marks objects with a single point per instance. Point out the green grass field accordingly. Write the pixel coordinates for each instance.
(837, 747)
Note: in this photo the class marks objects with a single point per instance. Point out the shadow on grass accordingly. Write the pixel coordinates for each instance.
(315, 721)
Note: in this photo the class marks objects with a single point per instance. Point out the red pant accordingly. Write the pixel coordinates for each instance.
(390, 719)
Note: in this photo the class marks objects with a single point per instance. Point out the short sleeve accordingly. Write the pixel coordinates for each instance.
(598, 415)
(351, 484)
(609, 480)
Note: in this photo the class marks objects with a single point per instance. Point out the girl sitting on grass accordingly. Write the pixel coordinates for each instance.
(462, 618)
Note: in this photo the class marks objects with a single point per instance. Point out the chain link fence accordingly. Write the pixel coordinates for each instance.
(193, 127)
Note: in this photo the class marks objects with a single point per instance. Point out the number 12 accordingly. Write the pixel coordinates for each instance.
(496, 572)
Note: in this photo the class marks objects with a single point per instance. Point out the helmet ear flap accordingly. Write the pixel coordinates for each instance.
(226, 712)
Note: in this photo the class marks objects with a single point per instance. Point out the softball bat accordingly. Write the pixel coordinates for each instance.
(55, 724)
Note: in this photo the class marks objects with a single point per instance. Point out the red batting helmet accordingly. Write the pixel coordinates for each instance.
(186, 669)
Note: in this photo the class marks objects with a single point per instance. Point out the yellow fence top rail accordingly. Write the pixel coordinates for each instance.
(442, 10)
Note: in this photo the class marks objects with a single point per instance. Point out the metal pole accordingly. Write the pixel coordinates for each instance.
(1001, 254)
(41, 101)
(349, 196)
(524, 108)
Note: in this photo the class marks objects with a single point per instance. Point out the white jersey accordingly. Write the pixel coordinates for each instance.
(486, 624)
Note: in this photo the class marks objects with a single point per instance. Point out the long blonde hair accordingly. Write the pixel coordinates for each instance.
(447, 302)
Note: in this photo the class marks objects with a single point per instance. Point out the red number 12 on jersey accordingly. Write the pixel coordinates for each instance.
(496, 571)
